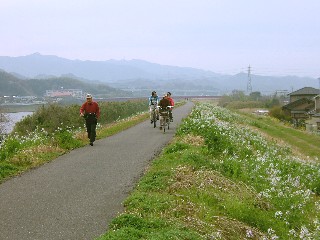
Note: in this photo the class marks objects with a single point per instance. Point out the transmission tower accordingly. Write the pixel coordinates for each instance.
(249, 87)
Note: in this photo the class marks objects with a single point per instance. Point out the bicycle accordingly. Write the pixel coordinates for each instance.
(164, 114)
(154, 115)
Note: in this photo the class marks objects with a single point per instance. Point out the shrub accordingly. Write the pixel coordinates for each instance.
(278, 113)
(54, 116)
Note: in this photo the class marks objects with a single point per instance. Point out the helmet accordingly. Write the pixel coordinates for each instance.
(169, 93)
(153, 93)
(89, 96)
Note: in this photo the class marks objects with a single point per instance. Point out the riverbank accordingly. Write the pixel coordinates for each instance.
(14, 108)
(10, 119)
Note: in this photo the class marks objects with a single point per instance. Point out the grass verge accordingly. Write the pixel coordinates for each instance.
(221, 181)
(303, 142)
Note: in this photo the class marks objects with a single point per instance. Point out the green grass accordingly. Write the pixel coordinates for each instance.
(305, 143)
(219, 181)
(121, 125)
(186, 194)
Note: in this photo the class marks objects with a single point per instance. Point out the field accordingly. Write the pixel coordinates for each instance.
(227, 175)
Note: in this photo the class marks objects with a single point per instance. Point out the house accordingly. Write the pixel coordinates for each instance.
(301, 103)
(64, 93)
(306, 92)
(313, 123)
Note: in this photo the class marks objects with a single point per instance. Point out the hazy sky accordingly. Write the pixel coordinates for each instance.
(275, 37)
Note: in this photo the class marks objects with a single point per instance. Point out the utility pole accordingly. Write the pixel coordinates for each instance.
(249, 87)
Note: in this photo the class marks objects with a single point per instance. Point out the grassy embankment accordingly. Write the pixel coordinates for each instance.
(222, 179)
(54, 130)
(301, 141)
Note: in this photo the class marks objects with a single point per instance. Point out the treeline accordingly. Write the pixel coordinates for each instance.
(54, 116)
(239, 100)
(11, 85)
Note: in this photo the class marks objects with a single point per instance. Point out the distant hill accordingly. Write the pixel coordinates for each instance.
(141, 77)
(11, 85)
(105, 71)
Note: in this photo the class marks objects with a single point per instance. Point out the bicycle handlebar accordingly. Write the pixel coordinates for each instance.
(167, 107)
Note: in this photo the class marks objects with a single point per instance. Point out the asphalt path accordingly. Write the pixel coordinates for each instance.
(78, 194)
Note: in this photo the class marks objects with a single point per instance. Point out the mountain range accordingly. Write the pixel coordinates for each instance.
(140, 77)
(11, 85)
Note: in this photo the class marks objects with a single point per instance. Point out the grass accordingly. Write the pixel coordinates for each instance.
(305, 143)
(219, 181)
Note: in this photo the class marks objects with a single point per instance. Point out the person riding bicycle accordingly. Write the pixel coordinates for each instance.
(172, 105)
(153, 103)
(163, 107)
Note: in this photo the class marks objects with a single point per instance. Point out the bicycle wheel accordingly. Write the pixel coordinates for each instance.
(154, 119)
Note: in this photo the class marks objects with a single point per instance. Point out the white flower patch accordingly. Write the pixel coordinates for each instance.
(271, 169)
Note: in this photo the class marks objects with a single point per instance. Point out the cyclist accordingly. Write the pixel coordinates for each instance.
(163, 104)
(171, 104)
(153, 103)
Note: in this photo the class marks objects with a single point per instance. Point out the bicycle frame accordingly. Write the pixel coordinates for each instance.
(154, 115)
(165, 119)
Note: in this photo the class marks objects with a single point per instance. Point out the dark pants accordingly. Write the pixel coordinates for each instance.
(91, 124)
(91, 130)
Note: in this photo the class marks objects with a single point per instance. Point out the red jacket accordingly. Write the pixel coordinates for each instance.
(171, 101)
(92, 107)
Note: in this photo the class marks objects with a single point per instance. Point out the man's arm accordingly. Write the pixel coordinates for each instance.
(97, 110)
(82, 110)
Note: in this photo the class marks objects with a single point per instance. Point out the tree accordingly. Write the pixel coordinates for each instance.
(255, 96)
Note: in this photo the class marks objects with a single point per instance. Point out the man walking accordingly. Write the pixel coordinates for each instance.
(91, 112)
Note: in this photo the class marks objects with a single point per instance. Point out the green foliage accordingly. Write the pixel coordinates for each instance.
(7, 169)
(255, 96)
(113, 111)
(269, 103)
(278, 113)
(54, 116)
(66, 140)
(128, 220)
(244, 104)
(129, 226)
(253, 187)
(238, 100)
(49, 118)
(176, 147)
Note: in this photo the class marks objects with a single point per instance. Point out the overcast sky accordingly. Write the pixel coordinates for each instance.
(275, 37)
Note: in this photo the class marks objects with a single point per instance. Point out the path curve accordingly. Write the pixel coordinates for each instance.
(78, 194)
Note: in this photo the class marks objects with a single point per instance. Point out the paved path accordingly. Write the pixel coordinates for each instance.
(78, 194)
